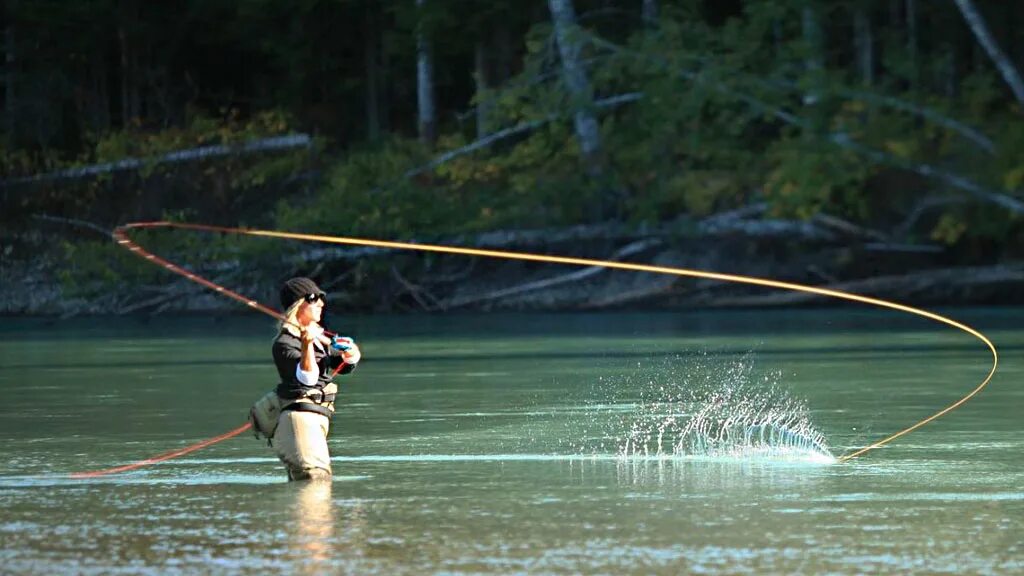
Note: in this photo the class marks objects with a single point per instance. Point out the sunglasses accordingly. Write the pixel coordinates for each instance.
(311, 298)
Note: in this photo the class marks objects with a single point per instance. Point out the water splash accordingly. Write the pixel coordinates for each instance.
(706, 406)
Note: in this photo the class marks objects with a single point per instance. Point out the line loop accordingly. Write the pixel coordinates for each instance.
(121, 237)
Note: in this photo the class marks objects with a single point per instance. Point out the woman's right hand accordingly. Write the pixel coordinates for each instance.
(311, 333)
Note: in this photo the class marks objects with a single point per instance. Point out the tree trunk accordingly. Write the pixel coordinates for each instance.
(949, 81)
(649, 12)
(864, 42)
(912, 43)
(564, 18)
(10, 96)
(814, 61)
(1006, 68)
(130, 101)
(371, 32)
(895, 13)
(483, 108)
(425, 83)
(503, 55)
(100, 105)
(385, 87)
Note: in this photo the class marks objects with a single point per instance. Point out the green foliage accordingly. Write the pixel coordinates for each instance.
(367, 194)
(348, 202)
(806, 178)
(230, 128)
(20, 162)
(733, 101)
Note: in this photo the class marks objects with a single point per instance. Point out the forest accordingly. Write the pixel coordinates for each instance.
(874, 146)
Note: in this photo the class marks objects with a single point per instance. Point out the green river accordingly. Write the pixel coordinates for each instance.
(596, 443)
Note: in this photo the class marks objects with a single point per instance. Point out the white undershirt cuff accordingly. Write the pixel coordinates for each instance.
(307, 378)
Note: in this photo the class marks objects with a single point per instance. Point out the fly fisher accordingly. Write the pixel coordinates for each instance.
(296, 416)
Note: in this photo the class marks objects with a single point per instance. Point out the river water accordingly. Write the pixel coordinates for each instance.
(523, 443)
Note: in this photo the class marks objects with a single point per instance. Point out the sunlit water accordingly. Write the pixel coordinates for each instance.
(571, 443)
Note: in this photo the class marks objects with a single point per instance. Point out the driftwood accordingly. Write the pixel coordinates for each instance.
(905, 248)
(736, 223)
(430, 294)
(848, 228)
(638, 294)
(733, 223)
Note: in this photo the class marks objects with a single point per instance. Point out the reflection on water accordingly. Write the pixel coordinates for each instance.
(324, 532)
(312, 529)
(741, 479)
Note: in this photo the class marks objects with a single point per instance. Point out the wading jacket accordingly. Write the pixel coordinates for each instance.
(287, 354)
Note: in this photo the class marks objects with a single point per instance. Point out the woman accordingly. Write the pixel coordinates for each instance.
(307, 361)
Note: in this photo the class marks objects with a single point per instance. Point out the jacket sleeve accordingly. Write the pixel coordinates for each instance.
(286, 357)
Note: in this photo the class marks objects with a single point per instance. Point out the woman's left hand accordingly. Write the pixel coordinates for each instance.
(351, 355)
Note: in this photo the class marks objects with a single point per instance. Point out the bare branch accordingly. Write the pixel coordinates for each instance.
(919, 210)
(980, 29)
(417, 292)
(74, 222)
(927, 170)
(486, 141)
(188, 155)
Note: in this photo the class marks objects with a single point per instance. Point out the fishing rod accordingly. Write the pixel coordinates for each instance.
(122, 239)
(120, 235)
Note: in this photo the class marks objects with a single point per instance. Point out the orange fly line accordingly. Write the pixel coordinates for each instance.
(121, 237)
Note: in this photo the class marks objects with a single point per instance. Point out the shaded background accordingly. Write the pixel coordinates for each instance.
(873, 146)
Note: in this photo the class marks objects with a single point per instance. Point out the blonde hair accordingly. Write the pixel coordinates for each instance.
(290, 323)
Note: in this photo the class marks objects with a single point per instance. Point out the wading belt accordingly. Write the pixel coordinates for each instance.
(316, 395)
(309, 407)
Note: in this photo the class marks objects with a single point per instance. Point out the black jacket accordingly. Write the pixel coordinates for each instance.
(287, 354)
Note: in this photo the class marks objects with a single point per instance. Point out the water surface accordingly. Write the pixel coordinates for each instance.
(498, 443)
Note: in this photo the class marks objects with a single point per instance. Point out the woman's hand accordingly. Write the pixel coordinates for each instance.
(349, 350)
(352, 355)
(311, 333)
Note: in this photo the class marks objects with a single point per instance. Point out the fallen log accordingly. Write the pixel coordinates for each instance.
(177, 156)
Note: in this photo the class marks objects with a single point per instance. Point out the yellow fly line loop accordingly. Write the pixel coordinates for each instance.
(734, 278)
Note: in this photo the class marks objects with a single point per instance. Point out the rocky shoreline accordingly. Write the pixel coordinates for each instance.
(386, 281)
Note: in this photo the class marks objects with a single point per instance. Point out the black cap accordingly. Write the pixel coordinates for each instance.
(297, 288)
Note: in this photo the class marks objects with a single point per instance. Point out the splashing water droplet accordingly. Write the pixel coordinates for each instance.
(701, 405)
